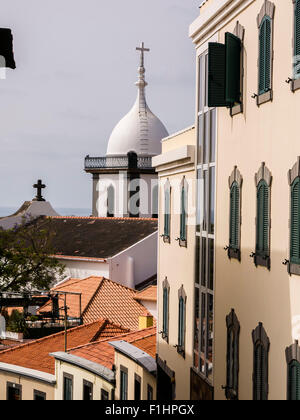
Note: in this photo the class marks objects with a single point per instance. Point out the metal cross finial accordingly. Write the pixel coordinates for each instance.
(142, 49)
(39, 187)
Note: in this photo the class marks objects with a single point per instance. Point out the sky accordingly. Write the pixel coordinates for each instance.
(76, 69)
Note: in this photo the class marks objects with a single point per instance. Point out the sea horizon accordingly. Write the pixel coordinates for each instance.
(63, 211)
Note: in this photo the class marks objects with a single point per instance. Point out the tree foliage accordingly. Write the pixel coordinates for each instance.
(26, 258)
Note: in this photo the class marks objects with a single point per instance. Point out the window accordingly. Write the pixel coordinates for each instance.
(232, 360)
(296, 39)
(225, 62)
(235, 184)
(293, 372)
(104, 395)
(87, 393)
(67, 387)
(39, 396)
(265, 55)
(294, 182)
(110, 201)
(181, 321)
(263, 180)
(261, 347)
(166, 292)
(167, 213)
(137, 388)
(155, 200)
(265, 29)
(183, 213)
(123, 384)
(205, 235)
(13, 392)
(149, 393)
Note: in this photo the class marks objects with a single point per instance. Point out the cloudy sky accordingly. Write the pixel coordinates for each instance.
(76, 69)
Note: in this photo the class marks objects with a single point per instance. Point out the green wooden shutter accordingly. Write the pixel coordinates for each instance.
(265, 55)
(167, 213)
(262, 229)
(230, 357)
(234, 216)
(294, 381)
(216, 74)
(6, 48)
(165, 311)
(295, 222)
(233, 69)
(260, 374)
(183, 216)
(297, 41)
(181, 323)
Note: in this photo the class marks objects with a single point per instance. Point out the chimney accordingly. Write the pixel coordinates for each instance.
(145, 321)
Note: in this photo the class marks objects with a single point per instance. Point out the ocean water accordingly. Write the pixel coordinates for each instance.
(7, 211)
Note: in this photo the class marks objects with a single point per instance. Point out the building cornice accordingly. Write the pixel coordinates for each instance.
(215, 17)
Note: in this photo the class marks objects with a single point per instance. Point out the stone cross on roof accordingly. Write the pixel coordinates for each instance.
(39, 187)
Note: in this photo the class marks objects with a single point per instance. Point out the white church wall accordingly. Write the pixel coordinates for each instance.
(144, 255)
(148, 181)
(119, 182)
(84, 269)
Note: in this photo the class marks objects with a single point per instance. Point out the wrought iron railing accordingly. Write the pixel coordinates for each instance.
(116, 162)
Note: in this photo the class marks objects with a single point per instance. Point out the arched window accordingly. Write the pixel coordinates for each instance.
(181, 321)
(294, 182)
(166, 297)
(232, 362)
(261, 347)
(293, 372)
(296, 60)
(110, 201)
(155, 201)
(265, 22)
(263, 180)
(167, 212)
(235, 185)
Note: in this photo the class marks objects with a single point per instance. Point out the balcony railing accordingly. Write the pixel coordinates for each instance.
(117, 162)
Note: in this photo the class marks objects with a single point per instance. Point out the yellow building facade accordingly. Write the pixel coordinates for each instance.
(176, 250)
(256, 308)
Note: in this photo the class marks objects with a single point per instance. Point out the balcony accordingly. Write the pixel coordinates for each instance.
(117, 163)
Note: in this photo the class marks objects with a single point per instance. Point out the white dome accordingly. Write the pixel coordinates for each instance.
(140, 131)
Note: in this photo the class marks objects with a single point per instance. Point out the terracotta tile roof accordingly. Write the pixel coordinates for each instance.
(86, 287)
(92, 237)
(148, 294)
(101, 298)
(103, 353)
(35, 355)
(115, 302)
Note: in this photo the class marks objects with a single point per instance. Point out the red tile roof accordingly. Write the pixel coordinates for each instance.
(148, 294)
(87, 287)
(35, 355)
(115, 302)
(103, 353)
(101, 298)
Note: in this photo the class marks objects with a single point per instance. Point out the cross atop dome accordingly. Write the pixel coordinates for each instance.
(142, 49)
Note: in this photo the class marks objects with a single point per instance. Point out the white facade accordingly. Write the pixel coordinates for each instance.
(129, 268)
(113, 194)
